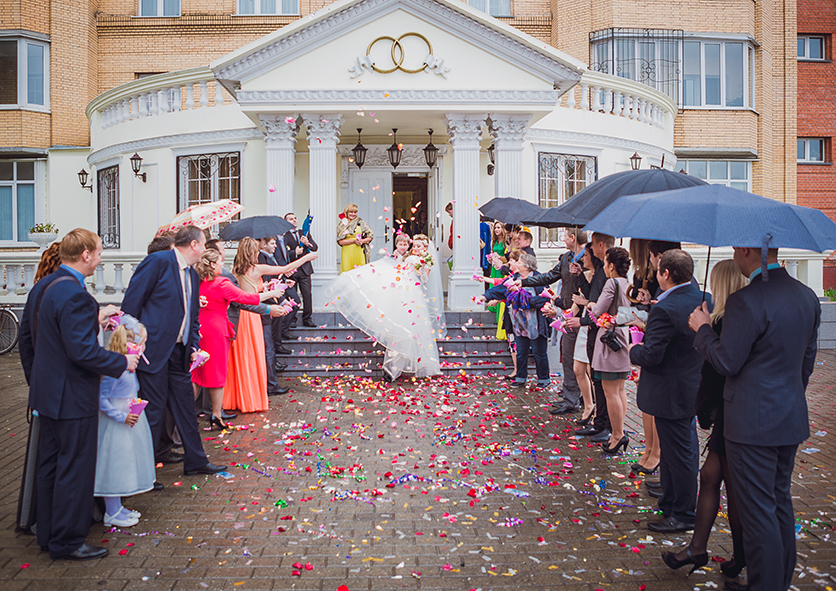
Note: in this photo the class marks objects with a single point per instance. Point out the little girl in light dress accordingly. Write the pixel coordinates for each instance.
(125, 459)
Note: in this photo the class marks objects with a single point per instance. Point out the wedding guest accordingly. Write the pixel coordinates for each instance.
(298, 245)
(354, 236)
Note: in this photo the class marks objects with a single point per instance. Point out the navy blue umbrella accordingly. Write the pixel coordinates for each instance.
(510, 210)
(259, 226)
(716, 215)
(589, 202)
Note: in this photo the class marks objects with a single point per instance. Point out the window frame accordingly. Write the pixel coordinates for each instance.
(37, 184)
(552, 238)
(747, 61)
(160, 10)
(806, 159)
(23, 41)
(110, 214)
(488, 6)
(806, 57)
(259, 12)
(727, 181)
(183, 178)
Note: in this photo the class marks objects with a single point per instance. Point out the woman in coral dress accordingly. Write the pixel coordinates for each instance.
(216, 293)
(246, 378)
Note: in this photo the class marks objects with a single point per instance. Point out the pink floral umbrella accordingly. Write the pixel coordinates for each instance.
(204, 215)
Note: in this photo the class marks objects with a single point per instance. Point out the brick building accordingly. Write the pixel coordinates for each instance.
(710, 87)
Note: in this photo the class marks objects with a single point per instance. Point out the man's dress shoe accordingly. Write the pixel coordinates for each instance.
(283, 350)
(588, 430)
(209, 468)
(669, 525)
(309, 324)
(287, 337)
(656, 493)
(564, 409)
(158, 486)
(171, 457)
(228, 415)
(86, 552)
(601, 437)
(735, 586)
(278, 391)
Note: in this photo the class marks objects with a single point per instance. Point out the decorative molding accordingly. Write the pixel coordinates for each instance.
(324, 128)
(465, 129)
(571, 137)
(508, 131)
(459, 23)
(274, 98)
(280, 130)
(174, 141)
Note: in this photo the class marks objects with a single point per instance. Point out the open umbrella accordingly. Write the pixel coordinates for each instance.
(589, 202)
(204, 215)
(510, 210)
(259, 226)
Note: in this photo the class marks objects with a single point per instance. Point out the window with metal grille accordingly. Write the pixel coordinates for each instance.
(108, 190)
(206, 178)
(561, 176)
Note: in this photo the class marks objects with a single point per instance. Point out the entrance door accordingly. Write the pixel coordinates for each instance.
(410, 203)
(371, 190)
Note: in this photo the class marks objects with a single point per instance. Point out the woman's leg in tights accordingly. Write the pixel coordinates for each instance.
(734, 518)
(216, 395)
(652, 453)
(708, 502)
(615, 407)
(582, 374)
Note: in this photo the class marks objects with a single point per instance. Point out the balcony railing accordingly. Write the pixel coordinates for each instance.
(184, 90)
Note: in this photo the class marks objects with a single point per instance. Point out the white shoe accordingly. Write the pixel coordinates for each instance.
(120, 521)
(132, 513)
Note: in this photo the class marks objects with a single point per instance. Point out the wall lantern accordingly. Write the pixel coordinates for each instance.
(136, 163)
(395, 151)
(635, 161)
(359, 151)
(431, 152)
(492, 156)
(82, 178)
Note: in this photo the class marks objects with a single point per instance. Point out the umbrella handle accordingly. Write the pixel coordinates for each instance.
(705, 283)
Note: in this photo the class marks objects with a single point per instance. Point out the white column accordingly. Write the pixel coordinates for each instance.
(465, 133)
(323, 137)
(509, 132)
(280, 137)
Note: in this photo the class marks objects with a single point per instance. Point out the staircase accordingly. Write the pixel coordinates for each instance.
(336, 347)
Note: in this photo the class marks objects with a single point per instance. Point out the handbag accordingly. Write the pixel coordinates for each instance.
(610, 336)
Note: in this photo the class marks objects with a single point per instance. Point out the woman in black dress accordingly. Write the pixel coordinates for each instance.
(726, 279)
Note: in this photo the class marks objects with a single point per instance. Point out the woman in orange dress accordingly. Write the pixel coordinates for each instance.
(246, 378)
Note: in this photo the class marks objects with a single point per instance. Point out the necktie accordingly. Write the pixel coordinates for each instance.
(187, 279)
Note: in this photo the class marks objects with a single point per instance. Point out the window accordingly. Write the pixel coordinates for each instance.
(810, 149)
(561, 176)
(736, 174)
(17, 200)
(810, 47)
(208, 177)
(108, 187)
(268, 7)
(159, 7)
(24, 73)
(492, 7)
(718, 74)
(649, 56)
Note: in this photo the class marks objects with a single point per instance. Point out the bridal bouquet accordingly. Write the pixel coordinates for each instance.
(425, 261)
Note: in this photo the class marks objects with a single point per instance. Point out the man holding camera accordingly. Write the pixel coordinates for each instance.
(668, 389)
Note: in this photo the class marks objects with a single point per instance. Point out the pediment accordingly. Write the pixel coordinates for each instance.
(443, 45)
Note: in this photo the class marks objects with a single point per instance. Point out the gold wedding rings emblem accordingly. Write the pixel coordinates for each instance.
(398, 53)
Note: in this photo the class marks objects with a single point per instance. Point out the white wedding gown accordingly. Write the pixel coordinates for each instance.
(388, 301)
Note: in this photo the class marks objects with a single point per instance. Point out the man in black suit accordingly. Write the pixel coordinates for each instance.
(297, 246)
(164, 295)
(767, 351)
(63, 363)
(668, 389)
(275, 328)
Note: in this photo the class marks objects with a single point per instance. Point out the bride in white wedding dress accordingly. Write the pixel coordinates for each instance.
(400, 305)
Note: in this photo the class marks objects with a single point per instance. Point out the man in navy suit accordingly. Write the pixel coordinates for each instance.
(164, 296)
(767, 351)
(63, 363)
(668, 389)
(296, 246)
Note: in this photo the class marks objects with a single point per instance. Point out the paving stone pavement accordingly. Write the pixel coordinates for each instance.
(448, 484)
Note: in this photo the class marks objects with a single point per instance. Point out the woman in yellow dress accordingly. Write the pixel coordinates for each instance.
(354, 236)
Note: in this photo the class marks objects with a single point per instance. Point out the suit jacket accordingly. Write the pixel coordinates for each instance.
(767, 351)
(290, 249)
(670, 365)
(155, 298)
(65, 352)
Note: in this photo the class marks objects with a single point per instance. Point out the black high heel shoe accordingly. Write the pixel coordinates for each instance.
(673, 562)
(584, 421)
(731, 568)
(622, 443)
(216, 422)
(643, 470)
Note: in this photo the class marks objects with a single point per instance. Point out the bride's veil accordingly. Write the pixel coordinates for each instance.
(435, 294)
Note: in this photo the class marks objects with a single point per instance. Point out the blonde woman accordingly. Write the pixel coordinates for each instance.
(354, 236)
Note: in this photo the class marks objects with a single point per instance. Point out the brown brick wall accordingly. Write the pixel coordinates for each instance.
(728, 129)
(816, 115)
(25, 129)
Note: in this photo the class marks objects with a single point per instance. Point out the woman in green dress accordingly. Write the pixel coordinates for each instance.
(499, 248)
(354, 236)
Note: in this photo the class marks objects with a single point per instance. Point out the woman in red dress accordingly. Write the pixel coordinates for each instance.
(216, 330)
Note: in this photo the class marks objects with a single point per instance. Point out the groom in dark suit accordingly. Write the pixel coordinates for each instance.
(164, 295)
(767, 351)
(668, 389)
(63, 363)
(297, 245)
